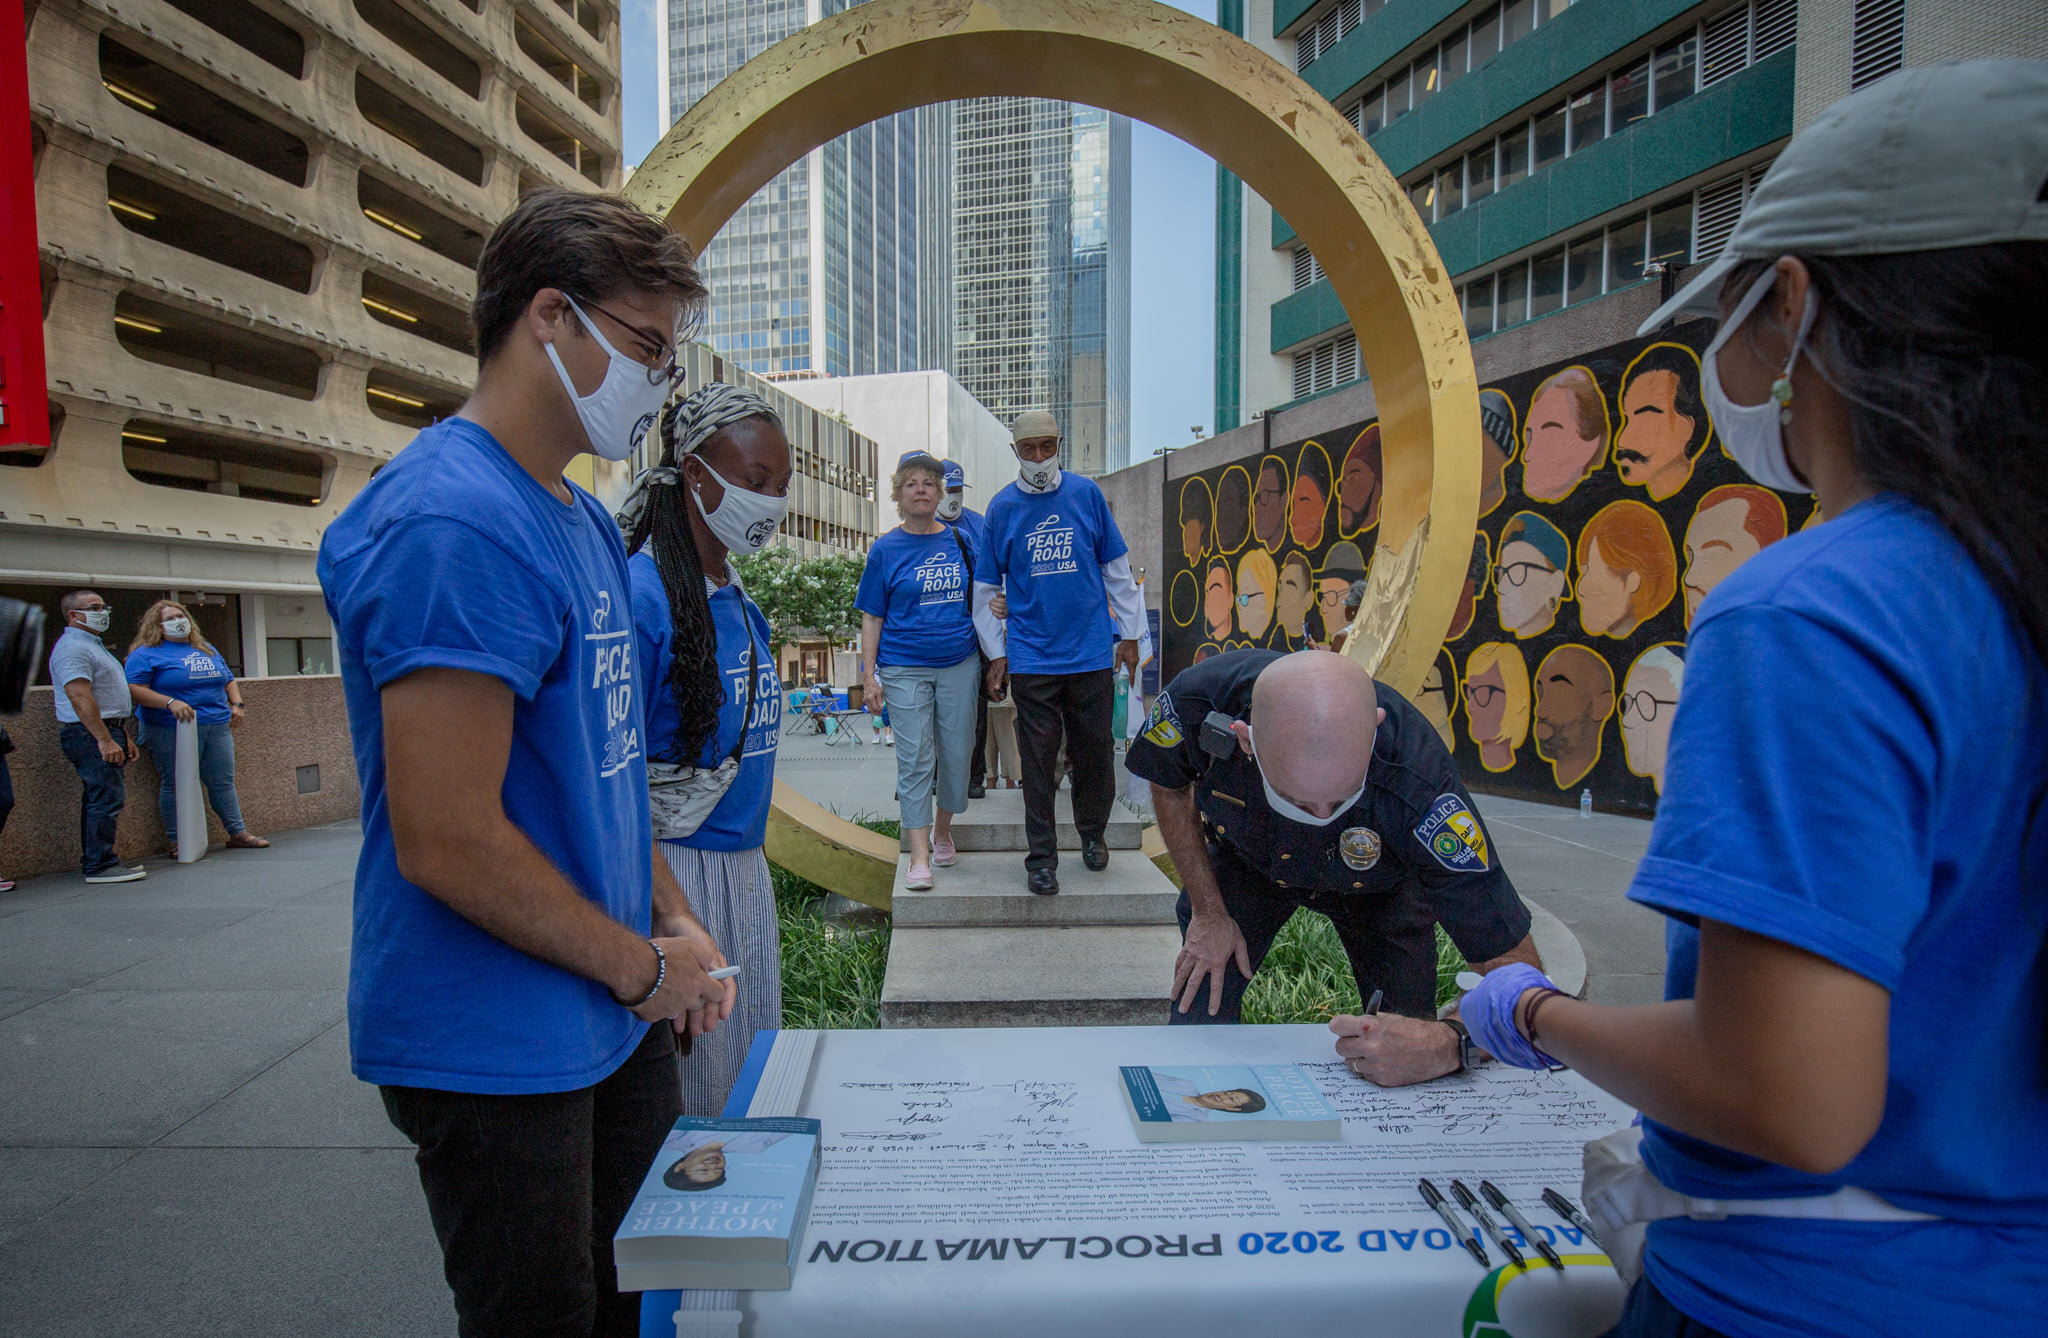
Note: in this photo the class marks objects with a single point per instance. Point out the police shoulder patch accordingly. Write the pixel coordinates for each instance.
(1453, 836)
(1162, 726)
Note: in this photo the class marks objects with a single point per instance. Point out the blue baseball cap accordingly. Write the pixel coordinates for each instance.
(909, 456)
(956, 477)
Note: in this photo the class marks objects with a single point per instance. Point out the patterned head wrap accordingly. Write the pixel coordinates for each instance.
(686, 424)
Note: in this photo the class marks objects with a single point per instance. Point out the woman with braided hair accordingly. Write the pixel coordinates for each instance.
(712, 711)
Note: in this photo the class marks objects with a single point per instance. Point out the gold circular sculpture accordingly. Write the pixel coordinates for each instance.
(1220, 94)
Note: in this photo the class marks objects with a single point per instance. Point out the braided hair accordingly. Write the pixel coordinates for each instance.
(656, 512)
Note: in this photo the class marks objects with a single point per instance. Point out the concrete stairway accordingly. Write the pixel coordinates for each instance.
(979, 950)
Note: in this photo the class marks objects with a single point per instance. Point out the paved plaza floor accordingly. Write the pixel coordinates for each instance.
(183, 1150)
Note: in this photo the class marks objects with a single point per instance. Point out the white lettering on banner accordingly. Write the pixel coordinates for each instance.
(1050, 547)
(611, 676)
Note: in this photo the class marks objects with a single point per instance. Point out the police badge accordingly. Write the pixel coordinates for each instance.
(1360, 847)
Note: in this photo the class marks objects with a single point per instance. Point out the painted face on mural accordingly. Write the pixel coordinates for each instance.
(1435, 699)
(1574, 697)
(1297, 595)
(1650, 451)
(1649, 703)
(1233, 509)
(1628, 570)
(1269, 507)
(1496, 448)
(1306, 509)
(1358, 493)
(1731, 525)
(1567, 435)
(1476, 573)
(1486, 702)
(1528, 589)
(1330, 604)
(1257, 585)
(1604, 592)
(1216, 601)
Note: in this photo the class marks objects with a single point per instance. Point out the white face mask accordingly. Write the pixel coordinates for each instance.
(743, 521)
(97, 620)
(1041, 477)
(177, 629)
(1755, 433)
(1294, 812)
(625, 404)
(951, 506)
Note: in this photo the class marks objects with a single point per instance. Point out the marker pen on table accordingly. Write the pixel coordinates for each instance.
(1486, 1223)
(1372, 1005)
(1459, 1231)
(1562, 1206)
(1514, 1215)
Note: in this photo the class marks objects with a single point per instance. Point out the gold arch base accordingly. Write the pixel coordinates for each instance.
(1223, 96)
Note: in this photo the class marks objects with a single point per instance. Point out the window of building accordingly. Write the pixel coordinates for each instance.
(1627, 251)
(1479, 307)
(1549, 137)
(1589, 117)
(1423, 76)
(1451, 60)
(1514, 157)
(1450, 190)
(299, 655)
(1582, 268)
(1671, 232)
(1628, 95)
(1517, 20)
(1423, 196)
(1675, 69)
(1479, 174)
(1372, 112)
(1546, 282)
(1511, 303)
(1397, 97)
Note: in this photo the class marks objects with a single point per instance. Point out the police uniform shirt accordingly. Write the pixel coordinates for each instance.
(1414, 828)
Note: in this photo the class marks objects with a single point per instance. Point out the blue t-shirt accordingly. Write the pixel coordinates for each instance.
(1854, 770)
(191, 675)
(972, 525)
(1046, 551)
(455, 557)
(740, 821)
(917, 585)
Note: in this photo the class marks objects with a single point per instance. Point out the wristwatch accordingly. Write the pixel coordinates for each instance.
(1464, 1043)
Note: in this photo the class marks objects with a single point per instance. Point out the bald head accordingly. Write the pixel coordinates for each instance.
(1314, 715)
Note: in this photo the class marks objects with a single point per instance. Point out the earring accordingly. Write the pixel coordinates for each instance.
(1781, 391)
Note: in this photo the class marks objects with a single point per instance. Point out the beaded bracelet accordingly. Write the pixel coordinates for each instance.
(660, 976)
(1529, 1017)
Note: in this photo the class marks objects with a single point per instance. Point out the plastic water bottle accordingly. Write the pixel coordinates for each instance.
(1585, 803)
(1120, 704)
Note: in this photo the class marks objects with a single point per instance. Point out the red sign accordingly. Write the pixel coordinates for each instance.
(24, 385)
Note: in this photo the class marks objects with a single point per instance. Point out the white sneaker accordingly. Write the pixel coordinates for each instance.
(118, 874)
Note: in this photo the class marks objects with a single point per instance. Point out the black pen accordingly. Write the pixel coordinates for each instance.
(1459, 1231)
(1562, 1206)
(1514, 1214)
(1486, 1223)
(1372, 1005)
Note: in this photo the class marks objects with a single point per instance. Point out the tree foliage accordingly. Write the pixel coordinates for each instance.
(803, 598)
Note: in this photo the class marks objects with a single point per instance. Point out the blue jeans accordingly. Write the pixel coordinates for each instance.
(216, 773)
(99, 810)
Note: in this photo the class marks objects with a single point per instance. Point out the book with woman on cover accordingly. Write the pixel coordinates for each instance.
(723, 1206)
(1227, 1103)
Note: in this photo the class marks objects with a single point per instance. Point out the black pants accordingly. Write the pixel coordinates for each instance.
(1650, 1314)
(526, 1191)
(105, 792)
(1078, 706)
(1390, 938)
(977, 766)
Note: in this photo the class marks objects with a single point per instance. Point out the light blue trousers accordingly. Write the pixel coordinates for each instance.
(932, 710)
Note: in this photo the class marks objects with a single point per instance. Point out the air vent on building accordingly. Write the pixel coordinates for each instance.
(1718, 211)
(1724, 45)
(1777, 27)
(1307, 269)
(1877, 40)
(1331, 363)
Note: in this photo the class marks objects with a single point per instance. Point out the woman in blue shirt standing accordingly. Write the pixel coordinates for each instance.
(175, 674)
(917, 639)
(713, 711)
(1852, 845)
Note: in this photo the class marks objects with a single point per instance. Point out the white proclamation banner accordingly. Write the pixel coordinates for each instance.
(989, 1182)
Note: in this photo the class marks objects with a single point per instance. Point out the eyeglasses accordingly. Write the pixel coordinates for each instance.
(1245, 601)
(1482, 694)
(661, 367)
(1515, 573)
(1642, 705)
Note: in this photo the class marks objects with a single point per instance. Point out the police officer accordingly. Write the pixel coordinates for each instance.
(1283, 781)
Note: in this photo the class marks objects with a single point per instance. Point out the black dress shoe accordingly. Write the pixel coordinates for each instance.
(1095, 854)
(1044, 882)
(976, 790)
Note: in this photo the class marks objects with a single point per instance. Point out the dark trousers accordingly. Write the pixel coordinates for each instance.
(1390, 938)
(1077, 706)
(977, 766)
(526, 1191)
(1649, 1314)
(99, 809)
(6, 792)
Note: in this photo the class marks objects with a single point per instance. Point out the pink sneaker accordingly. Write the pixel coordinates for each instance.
(920, 879)
(943, 854)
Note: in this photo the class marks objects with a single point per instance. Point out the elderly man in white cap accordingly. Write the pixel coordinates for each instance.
(1053, 550)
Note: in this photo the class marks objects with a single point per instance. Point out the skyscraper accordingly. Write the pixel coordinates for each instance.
(841, 265)
(1042, 268)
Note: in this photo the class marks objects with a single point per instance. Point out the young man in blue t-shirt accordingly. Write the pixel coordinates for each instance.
(514, 934)
(1054, 552)
(954, 511)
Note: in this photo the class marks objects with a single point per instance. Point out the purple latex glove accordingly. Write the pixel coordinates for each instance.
(1488, 1011)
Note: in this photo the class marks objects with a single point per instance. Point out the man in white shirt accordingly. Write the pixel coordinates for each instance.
(93, 711)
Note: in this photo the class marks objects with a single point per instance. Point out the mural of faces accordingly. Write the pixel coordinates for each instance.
(1217, 601)
(1358, 492)
(1731, 525)
(1297, 596)
(1342, 565)
(1567, 435)
(1439, 696)
(1476, 573)
(1627, 569)
(1258, 582)
(1309, 504)
(1197, 518)
(1269, 503)
(1649, 702)
(1664, 425)
(1233, 509)
(1574, 698)
(1532, 579)
(1183, 598)
(1496, 448)
(1205, 650)
(1496, 696)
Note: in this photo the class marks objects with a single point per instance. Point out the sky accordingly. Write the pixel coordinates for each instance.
(1173, 250)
